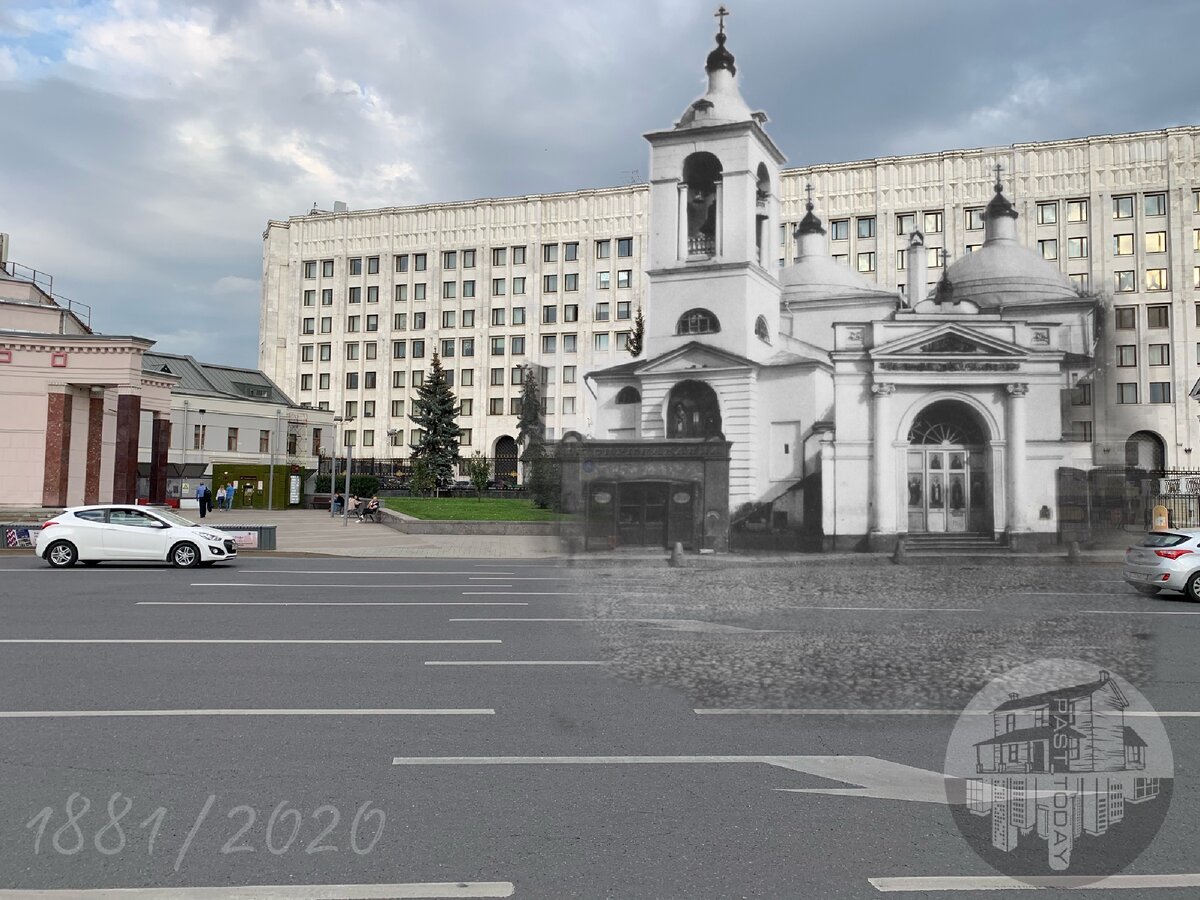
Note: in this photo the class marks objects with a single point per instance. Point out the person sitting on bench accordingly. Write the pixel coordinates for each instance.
(368, 510)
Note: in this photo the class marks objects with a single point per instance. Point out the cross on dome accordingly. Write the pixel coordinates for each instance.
(998, 167)
(720, 15)
(808, 189)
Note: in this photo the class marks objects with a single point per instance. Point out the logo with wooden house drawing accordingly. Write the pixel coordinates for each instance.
(1059, 768)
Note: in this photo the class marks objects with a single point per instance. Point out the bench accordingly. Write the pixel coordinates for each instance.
(321, 501)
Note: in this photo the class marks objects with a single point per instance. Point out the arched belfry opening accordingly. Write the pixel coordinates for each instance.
(702, 181)
(693, 411)
(762, 197)
(948, 483)
(1145, 450)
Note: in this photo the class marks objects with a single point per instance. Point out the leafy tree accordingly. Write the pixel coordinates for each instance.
(639, 334)
(435, 413)
(479, 471)
(421, 477)
(541, 475)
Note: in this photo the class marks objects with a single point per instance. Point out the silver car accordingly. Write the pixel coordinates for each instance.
(1166, 561)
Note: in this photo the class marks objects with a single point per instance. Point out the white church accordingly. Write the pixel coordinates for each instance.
(809, 398)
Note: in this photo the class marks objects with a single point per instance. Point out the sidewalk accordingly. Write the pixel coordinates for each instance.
(314, 531)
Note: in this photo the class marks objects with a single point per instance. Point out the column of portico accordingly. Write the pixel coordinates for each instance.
(1016, 457)
(125, 459)
(95, 446)
(160, 442)
(883, 501)
(57, 460)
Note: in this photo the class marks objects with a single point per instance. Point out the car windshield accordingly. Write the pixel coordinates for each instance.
(174, 518)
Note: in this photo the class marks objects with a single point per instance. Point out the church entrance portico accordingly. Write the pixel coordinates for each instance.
(947, 479)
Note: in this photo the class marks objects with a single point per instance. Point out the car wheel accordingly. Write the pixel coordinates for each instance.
(90, 562)
(1146, 589)
(185, 555)
(62, 554)
(1191, 590)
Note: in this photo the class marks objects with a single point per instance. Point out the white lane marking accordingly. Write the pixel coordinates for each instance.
(515, 662)
(876, 778)
(519, 577)
(230, 641)
(667, 622)
(517, 593)
(1032, 883)
(330, 603)
(170, 713)
(1140, 612)
(392, 586)
(1071, 593)
(243, 570)
(409, 891)
(817, 711)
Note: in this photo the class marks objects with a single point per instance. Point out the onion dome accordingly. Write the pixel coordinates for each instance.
(815, 275)
(722, 103)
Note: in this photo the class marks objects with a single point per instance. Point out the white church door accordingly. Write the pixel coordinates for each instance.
(946, 478)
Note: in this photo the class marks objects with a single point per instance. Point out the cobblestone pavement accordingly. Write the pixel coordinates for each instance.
(853, 634)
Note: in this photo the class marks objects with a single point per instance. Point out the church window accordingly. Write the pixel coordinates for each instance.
(1047, 213)
(1122, 207)
(761, 331)
(906, 223)
(624, 247)
(933, 222)
(1077, 248)
(601, 312)
(975, 219)
(839, 230)
(1159, 354)
(1156, 204)
(1123, 245)
(1048, 249)
(1126, 356)
(1156, 279)
(866, 226)
(866, 262)
(1127, 318)
(628, 395)
(1077, 210)
(603, 249)
(1160, 392)
(697, 321)
(693, 411)
(701, 175)
(1158, 316)
(1125, 282)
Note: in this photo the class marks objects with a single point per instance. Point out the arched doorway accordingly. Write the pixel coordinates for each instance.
(693, 411)
(506, 461)
(946, 477)
(1145, 450)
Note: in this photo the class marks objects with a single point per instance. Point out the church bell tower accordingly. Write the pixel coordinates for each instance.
(714, 217)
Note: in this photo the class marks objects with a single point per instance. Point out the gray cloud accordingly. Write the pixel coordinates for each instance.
(149, 141)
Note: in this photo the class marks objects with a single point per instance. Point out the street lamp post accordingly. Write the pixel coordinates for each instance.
(337, 420)
(271, 472)
(349, 464)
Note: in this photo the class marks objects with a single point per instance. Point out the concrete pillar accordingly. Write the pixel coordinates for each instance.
(95, 446)
(160, 440)
(57, 462)
(125, 459)
(1016, 457)
(682, 222)
(883, 506)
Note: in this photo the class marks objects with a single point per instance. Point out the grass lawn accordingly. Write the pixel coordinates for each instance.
(488, 508)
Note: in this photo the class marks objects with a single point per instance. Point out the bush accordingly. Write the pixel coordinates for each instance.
(361, 485)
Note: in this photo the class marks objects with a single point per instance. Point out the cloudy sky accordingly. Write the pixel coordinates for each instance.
(145, 143)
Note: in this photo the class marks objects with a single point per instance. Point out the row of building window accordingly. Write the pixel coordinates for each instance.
(233, 437)
(1160, 392)
(1047, 214)
(450, 289)
(452, 259)
(452, 318)
(1156, 355)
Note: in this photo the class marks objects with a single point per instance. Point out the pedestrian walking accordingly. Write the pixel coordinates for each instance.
(230, 493)
(221, 497)
(202, 498)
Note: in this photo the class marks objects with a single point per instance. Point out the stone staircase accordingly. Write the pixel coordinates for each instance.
(962, 544)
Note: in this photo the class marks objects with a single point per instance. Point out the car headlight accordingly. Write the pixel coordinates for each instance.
(209, 536)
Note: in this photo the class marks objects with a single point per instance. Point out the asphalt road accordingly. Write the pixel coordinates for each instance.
(307, 696)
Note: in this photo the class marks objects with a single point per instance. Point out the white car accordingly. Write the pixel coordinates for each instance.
(94, 534)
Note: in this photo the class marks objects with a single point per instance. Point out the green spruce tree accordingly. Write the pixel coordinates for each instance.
(435, 413)
(639, 333)
(541, 474)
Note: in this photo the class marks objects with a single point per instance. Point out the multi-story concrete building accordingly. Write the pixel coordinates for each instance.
(355, 302)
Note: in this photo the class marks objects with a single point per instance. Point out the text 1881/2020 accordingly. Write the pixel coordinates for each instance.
(114, 829)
